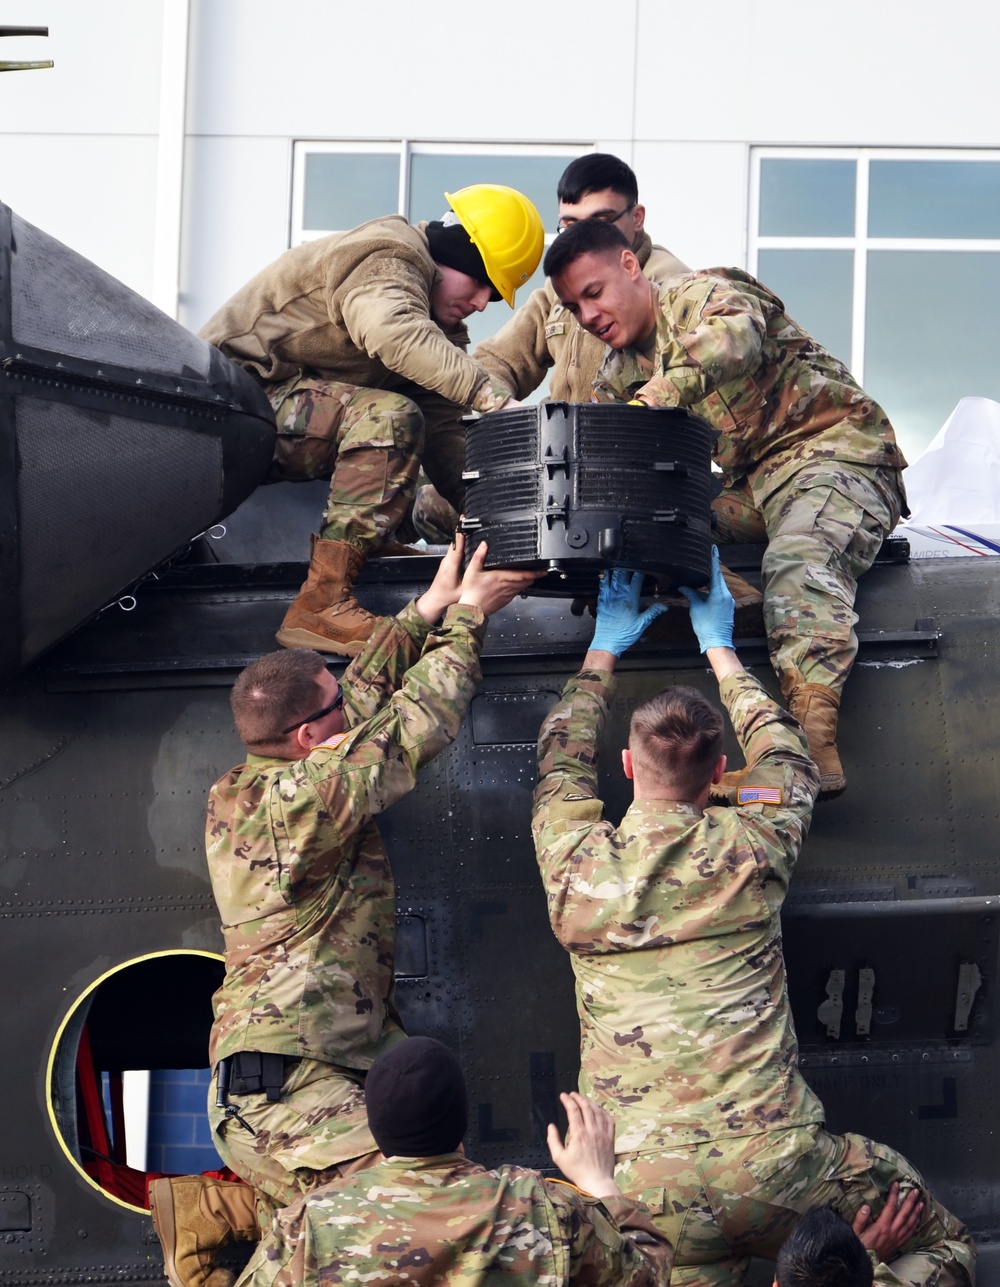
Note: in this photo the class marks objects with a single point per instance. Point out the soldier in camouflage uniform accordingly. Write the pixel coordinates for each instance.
(542, 338)
(823, 1248)
(810, 462)
(425, 1214)
(672, 923)
(307, 899)
(358, 340)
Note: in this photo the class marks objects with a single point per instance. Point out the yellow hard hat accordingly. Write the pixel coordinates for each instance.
(505, 228)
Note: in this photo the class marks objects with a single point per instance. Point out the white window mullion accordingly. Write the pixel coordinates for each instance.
(860, 298)
(404, 178)
(754, 238)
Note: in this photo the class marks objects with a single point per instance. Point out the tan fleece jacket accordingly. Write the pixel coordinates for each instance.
(353, 307)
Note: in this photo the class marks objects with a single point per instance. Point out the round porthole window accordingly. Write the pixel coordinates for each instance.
(128, 1074)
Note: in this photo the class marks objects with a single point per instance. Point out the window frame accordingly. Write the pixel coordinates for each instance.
(860, 243)
(406, 149)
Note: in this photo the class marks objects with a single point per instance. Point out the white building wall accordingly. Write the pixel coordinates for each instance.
(78, 142)
(682, 93)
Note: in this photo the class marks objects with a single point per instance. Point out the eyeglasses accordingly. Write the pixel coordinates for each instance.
(335, 705)
(604, 216)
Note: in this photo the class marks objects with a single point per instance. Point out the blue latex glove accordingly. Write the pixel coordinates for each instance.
(712, 613)
(619, 621)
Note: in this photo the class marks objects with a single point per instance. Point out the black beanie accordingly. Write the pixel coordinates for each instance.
(452, 246)
(416, 1099)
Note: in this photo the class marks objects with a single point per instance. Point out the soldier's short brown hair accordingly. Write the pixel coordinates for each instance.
(676, 739)
(271, 692)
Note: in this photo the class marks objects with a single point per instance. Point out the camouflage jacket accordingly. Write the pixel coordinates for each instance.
(353, 307)
(298, 868)
(672, 922)
(447, 1220)
(543, 335)
(725, 348)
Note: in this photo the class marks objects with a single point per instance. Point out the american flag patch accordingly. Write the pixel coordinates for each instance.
(758, 795)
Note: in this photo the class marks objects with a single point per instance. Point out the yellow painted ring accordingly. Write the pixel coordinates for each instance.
(50, 1065)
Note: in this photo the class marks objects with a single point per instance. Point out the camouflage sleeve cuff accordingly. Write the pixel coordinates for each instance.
(413, 623)
(602, 683)
(491, 395)
(631, 1216)
(681, 388)
(468, 615)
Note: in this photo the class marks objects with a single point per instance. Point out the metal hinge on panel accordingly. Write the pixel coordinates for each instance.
(831, 1011)
(866, 990)
(969, 982)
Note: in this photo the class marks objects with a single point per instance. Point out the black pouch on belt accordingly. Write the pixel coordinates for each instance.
(253, 1072)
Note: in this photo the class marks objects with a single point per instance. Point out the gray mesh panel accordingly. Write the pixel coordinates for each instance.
(498, 445)
(101, 499)
(509, 543)
(65, 304)
(517, 491)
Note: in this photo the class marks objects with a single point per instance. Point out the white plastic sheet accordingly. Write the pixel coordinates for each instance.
(953, 489)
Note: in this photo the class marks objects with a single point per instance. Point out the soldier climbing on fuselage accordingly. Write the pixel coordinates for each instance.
(359, 341)
(672, 922)
(307, 901)
(810, 462)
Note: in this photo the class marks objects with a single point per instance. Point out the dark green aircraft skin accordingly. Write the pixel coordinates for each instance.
(109, 743)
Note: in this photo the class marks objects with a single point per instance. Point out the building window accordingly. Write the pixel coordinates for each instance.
(891, 259)
(336, 186)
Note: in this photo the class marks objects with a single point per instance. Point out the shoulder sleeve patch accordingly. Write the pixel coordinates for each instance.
(758, 795)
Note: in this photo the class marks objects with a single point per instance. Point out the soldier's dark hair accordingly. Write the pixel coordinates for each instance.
(271, 692)
(676, 739)
(823, 1251)
(588, 237)
(594, 173)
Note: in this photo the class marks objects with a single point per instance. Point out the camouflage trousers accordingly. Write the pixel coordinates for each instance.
(722, 1202)
(317, 1132)
(431, 517)
(366, 441)
(823, 529)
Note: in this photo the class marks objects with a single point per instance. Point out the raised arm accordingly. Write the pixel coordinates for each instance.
(631, 1250)
(778, 795)
(518, 355)
(567, 745)
(566, 810)
(387, 314)
(376, 763)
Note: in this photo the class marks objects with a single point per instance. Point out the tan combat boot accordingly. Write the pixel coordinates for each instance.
(724, 791)
(325, 614)
(816, 707)
(748, 614)
(194, 1216)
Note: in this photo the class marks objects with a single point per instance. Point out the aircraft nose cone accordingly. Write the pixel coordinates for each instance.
(122, 437)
